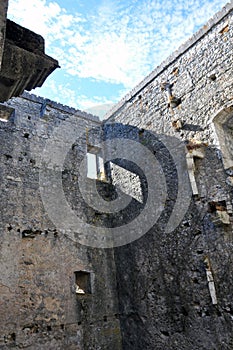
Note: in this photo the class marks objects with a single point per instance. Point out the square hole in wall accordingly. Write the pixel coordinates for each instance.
(82, 282)
(6, 113)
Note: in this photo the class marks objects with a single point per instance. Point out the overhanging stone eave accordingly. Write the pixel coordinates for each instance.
(25, 66)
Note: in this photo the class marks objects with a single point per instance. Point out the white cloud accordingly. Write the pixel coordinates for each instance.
(44, 17)
(117, 42)
(66, 95)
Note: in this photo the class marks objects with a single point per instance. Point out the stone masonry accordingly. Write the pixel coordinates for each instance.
(23, 62)
(3, 12)
(162, 283)
(40, 308)
(163, 288)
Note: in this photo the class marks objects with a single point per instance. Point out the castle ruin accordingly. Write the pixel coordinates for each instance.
(138, 255)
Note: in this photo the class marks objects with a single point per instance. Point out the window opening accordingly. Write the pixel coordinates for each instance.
(223, 123)
(82, 282)
(95, 163)
(6, 113)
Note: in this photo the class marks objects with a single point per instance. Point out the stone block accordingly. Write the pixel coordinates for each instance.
(25, 65)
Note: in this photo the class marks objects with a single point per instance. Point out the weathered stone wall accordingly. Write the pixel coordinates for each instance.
(201, 71)
(156, 292)
(164, 294)
(3, 12)
(39, 306)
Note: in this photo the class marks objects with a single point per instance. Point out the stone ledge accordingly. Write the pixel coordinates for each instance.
(24, 38)
(25, 66)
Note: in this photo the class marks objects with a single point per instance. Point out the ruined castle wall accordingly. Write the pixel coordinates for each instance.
(41, 264)
(164, 293)
(201, 71)
(3, 12)
(168, 288)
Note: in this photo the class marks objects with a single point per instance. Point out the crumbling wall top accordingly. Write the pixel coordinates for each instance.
(61, 107)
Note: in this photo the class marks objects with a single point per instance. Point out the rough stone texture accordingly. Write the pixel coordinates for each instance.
(39, 308)
(3, 12)
(153, 293)
(164, 298)
(208, 27)
(24, 63)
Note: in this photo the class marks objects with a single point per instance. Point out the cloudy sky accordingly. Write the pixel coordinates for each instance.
(106, 47)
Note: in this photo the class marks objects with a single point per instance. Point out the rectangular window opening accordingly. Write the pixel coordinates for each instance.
(95, 163)
(82, 282)
(91, 166)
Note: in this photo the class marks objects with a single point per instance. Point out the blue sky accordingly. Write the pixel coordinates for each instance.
(106, 47)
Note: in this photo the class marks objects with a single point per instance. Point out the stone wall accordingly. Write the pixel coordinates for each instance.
(166, 279)
(167, 284)
(42, 266)
(3, 12)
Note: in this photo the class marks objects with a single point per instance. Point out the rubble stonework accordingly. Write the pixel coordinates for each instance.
(166, 281)
(169, 297)
(39, 304)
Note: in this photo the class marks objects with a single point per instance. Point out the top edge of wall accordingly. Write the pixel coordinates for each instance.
(176, 54)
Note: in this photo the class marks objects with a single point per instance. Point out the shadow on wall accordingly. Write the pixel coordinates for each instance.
(166, 297)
